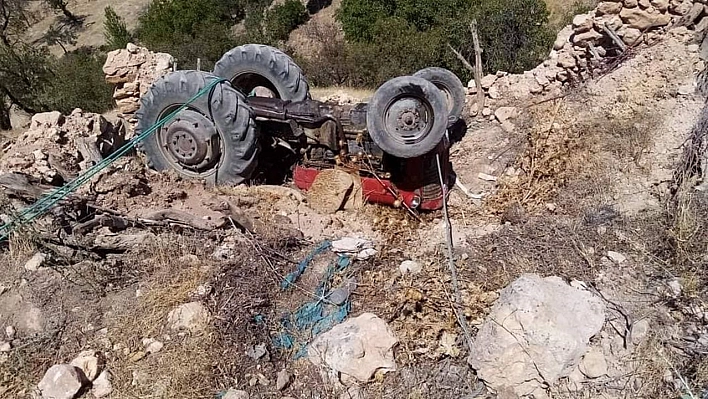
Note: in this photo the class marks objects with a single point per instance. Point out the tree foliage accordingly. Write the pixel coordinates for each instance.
(284, 18)
(114, 30)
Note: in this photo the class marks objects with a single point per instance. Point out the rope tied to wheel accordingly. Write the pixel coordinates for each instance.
(44, 204)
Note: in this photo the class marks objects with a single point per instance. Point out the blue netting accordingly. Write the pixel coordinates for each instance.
(315, 317)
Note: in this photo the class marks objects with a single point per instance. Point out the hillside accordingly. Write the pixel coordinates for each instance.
(577, 267)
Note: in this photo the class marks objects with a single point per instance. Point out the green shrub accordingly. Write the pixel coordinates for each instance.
(284, 18)
(190, 29)
(115, 31)
(78, 82)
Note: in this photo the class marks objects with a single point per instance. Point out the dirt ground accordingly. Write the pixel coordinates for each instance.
(585, 174)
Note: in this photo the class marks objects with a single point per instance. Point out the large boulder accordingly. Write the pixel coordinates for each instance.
(62, 381)
(536, 333)
(644, 19)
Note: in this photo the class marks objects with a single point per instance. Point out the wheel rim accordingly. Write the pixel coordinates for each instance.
(408, 119)
(190, 142)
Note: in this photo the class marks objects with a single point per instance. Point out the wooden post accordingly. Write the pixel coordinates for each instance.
(477, 66)
(199, 64)
(615, 38)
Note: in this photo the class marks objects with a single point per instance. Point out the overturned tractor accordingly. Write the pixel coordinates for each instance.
(263, 117)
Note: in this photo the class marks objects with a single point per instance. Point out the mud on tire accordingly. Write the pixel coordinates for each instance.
(253, 65)
(221, 115)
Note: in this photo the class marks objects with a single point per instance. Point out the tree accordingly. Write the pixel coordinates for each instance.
(62, 5)
(115, 31)
(284, 18)
(61, 35)
(24, 69)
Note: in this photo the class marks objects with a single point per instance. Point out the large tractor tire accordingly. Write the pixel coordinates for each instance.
(450, 85)
(214, 138)
(407, 116)
(253, 68)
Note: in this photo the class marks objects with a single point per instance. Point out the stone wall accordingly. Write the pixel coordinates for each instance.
(132, 70)
(584, 46)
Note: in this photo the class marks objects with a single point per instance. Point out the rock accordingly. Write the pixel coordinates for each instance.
(631, 36)
(361, 248)
(153, 346)
(504, 114)
(613, 21)
(235, 394)
(582, 39)
(5, 347)
(102, 386)
(488, 81)
(643, 19)
(660, 5)
(357, 348)
(594, 364)
(535, 311)
(486, 111)
(567, 60)
(46, 119)
(644, 4)
(89, 363)
(283, 380)
(494, 93)
(330, 190)
(675, 287)
(542, 80)
(608, 7)
(582, 22)
(10, 332)
(61, 381)
(257, 351)
(616, 257)
(562, 76)
(693, 48)
(630, 3)
(640, 329)
(486, 177)
(35, 262)
(340, 295)
(410, 266)
(192, 317)
(563, 37)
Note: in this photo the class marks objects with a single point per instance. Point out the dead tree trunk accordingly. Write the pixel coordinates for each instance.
(478, 65)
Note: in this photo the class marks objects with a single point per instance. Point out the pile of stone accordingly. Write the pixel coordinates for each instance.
(600, 33)
(57, 147)
(132, 70)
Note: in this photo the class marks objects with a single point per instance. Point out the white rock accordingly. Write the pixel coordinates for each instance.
(487, 112)
(472, 85)
(535, 311)
(494, 93)
(361, 248)
(88, 362)
(563, 37)
(5, 347)
(235, 394)
(47, 119)
(566, 60)
(409, 266)
(589, 36)
(10, 332)
(675, 287)
(154, 347)
(486, 177)
(640, 329)
(594, 364)
(192, 317)
(282, 380)
(616, 257)
(357, 348)
(61, 381)
(630, 3)
(660, 5)
(504, 114)
(631, 36)
(35, 262)
(693, 48)
(488, 81)
(102, 386)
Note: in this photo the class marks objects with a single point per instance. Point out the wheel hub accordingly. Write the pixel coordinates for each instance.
(191, 139)
(409, 119)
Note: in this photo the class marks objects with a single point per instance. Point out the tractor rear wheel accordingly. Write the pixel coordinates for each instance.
(263, 71)
(214, 138)
(407, 116)
(450, 85)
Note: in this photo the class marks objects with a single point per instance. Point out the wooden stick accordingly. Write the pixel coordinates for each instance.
(462, 59)
(478, 65)
(615, 38)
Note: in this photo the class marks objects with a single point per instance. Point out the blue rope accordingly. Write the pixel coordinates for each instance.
(43, 205)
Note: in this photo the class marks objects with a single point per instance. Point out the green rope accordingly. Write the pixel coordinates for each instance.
(43, 205)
